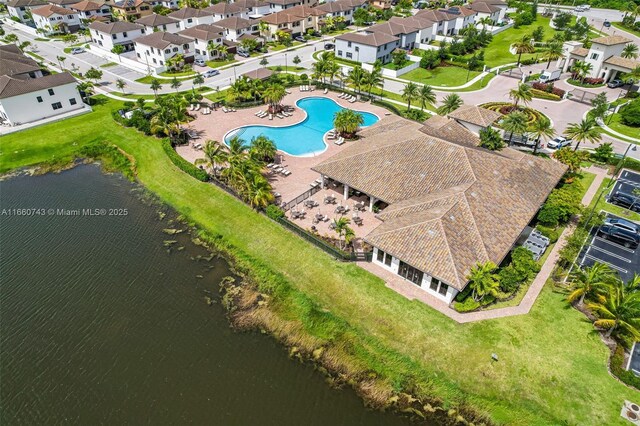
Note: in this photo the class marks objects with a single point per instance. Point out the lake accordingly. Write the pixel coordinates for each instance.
(105, 321)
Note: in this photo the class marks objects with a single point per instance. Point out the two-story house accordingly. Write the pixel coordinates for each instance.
(54, 19)
(341, 8)
(153, 23)
(604, 56)
(130, 10)
(255, 9)
(91, 11)
(366, 47)
(206, 38)
(495, 4)
(63, 3)
(156, 50)
(190, 17)
(296, 21)
(278, 5)
(234, 28)
(106, 35)
(224, 10)
(485, 10)
(21, 9)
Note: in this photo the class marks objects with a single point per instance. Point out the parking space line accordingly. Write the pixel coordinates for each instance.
(613, 244)
(624, 259)
(606, 263)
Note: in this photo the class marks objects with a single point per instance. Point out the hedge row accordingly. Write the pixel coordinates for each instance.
(540, 94)
(549, 88)
(183, 164)
(617, 368)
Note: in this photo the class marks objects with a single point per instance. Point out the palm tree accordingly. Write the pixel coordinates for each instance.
(590, 281)
(426, 97)
(347, 122)
(450, 103)
(582, 68)
(485, 21)
(199, 80)
(340, 226)
(523, 46)
(585, 131)
(409, 93)
(175, 84)
(553, 52)
(258, 191)
(618, 310)
(522, 93)
(541, 129)
(121, 84)
(262, 149)
(86, 87)
(332, 70)
(630, 51)
(214, 154)
(514, 122)
(118, 49)
(155, 86)
(355, 77)
(61, 60)
(483, 281)
(273, 95)
(374, 78)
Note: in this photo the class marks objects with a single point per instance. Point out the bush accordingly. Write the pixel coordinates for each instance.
(630, 113)
(521, 269)
(549, 88)
(540, 94)
(572, 248)
(466, 306)
(304, 77)
(416, 115)
(561, 205)
(183, 164)
(551, 233)
(274, 212)
(617, 368)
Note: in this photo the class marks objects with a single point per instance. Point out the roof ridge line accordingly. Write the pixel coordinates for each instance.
(453, 262)
(475, 224)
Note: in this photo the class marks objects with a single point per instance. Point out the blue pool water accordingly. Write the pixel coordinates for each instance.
(304, 138)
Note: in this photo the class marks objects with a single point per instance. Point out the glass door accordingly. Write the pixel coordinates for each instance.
(410, 273)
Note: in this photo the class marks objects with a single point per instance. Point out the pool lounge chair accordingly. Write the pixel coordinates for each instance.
(224, 109)
(280, 116)
(326, 91)
(270, 116)
(339, 141)
(197, 107)
(192, 107)
(257, 114)
(353, 99)
(286, 172)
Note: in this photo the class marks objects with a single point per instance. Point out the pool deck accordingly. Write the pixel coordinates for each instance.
(216, 125)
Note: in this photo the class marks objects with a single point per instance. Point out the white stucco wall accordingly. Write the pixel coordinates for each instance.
(26, 108)
(107, 41)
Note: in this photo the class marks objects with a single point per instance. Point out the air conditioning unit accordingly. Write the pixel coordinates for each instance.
(631, 412)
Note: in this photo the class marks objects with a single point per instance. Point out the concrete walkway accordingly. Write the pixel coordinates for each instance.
(411, 291)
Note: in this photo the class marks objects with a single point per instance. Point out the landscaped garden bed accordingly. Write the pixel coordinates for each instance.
(505, 108)
(586, 82)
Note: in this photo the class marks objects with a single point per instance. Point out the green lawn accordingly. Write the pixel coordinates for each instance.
(603, 205)
(38, 57)
(278, 47)
(288, 68)
(181, 74)
(218, 64)
(618, 126)
(619, 26)
(497, 52)
(147, 79)
(108, 65)
(440, 76)
(552, 367)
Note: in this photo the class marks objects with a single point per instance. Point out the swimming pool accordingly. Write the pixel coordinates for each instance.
(303, 139)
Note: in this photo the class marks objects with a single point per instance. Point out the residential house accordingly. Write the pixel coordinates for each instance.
(255, 9)
(26, 95)
(411, 31)
(204, 37)
(234, 28)
(381, 4)
(224, 10)
(63, 3)
(603, 56)
(156, 49)
(445, 203)
(91, 11)
(449, 21)
(485, 10)
(278, 5)
(500, 4)
(130, 10)
(366, 47)
(190, 17)
(258, 74)
(55, 19)
(341, 8)
(106, 35)
(295, 21)
(153, 23)
(21, 9)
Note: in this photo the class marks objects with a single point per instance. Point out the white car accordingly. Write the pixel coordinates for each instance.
(200, 62)
(558, 142)
(77, 50)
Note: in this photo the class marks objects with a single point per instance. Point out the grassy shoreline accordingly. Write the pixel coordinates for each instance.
(550, 358)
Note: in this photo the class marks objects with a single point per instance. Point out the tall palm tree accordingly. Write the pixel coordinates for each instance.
(340, 226)
(485, 21)
(155, 86)
(514, 122)
(426, 96)
(523, 46)
(347, 122)
(582, 68)
(374, 78)
(585, 131)
(214, 154)
(409, 93)
(356, 77)
(522, 93)
(262, 149)
(199, 80)
(450, 103)
(175, 84)
(618, 310)
(121, 84)
(590, 281)
(273, 95)
(552, 52)
(259, 191)
(483, 280)
(541, 129)
(630, 51)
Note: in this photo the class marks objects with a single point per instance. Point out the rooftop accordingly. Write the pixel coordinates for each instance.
(203, 32)
(611, 40)
(162, 40)
(87, 5)
(619, 61)
(14, 62)
(154, 20)
(234, 23)
(189, 12)
(258, 74)
(23, 3)
(10, 86)
(369, 39)
(475, 115)
(50, 9)
(114, 27)
(225, 8)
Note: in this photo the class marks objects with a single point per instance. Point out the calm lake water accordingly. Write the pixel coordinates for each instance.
(102, 324)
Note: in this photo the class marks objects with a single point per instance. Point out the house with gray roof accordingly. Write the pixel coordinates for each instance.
(445, 203)
(22, 8)
(157, 49)
(155, 22)
(366, 47)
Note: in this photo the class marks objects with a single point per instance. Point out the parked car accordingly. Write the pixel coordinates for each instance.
(558, 142)
(200, 62)
(210, 73)
(623, 224)
(580, 9)
(77, 50)
(606, 24)
(625, 200)
(619, 236)
(243, 53)
(615, 83)
(329, 46)
(300, 39)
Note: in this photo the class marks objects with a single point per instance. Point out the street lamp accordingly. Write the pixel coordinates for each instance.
(285, 62)
(234, 73)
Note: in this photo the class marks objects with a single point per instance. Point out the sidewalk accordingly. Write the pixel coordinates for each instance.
(411, 291)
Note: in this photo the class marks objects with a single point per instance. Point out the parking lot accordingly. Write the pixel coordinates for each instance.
(625, 261)
(627, 182)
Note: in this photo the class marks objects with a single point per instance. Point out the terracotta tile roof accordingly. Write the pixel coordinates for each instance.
(611, 40)
(85, 5)
(25, 3)
(340, 5)
(203, 32)
(451, 204)
(475, 115)
(580, 51)
(224, 8)
(115, 27)
(448, 129)
(283, 2)
(483, 7)
(154, 20)
(293, 14)
(63, 2)
(162, 40)
(247, 4)
(189, 12)
(491, 2)
(621, 62)
(13, 62)
(10, 86)
(234, 23)
(50, 9)
(369, 39)
(258, 74)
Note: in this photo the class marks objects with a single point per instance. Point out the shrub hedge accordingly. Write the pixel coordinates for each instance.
(183, 164)
(540, 94)
(618, 370)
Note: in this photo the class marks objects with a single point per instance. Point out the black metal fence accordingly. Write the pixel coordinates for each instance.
(513, 73)
(581, 96)
(300, 198)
